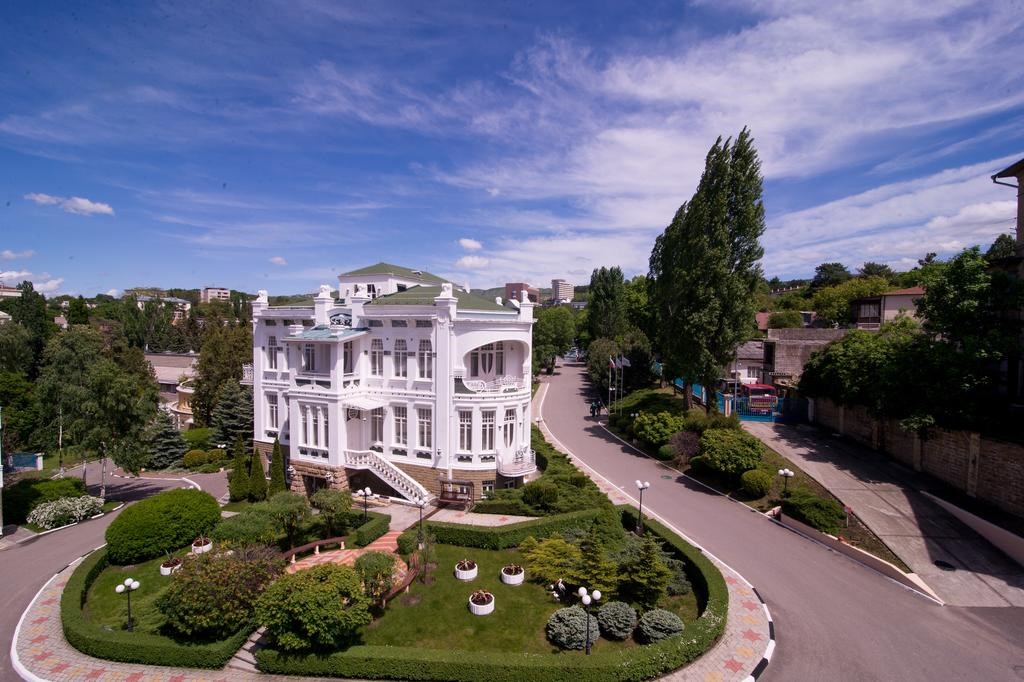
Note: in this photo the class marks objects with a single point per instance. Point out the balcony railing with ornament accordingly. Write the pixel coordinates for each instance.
(503, 384)
(522, 463)
(247, 374)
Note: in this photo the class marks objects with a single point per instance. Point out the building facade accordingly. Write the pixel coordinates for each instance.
(873, 311)
(180, 306)
(413, 388)
(561, 291)
(211, 294)
(514, 291)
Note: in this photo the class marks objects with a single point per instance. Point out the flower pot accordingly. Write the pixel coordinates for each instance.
(466, 570)
(202, 546)
(170, 566)
(512, 578)
(481, 609)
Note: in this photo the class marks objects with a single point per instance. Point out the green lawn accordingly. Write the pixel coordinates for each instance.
(106, 608)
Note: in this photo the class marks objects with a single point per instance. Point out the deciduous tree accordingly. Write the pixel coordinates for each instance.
(606, 311)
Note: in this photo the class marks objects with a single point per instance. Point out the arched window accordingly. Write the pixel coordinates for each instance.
(487, 360)
(426, 367)
(401, 359)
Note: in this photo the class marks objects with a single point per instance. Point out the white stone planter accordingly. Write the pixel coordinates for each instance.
(167, 570)
(478, 610)
(514, 578)
(202, 549)
(467, 574)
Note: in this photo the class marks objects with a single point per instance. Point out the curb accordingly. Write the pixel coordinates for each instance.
(769, 650)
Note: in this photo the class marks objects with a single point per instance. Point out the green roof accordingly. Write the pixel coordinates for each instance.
(397, 270)
(426, 296)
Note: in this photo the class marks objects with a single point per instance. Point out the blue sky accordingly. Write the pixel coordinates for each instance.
(274, 144)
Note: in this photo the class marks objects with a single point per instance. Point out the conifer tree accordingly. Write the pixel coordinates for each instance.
(257, 478)
(597, 571)
(232, 418)
(167, 447)
(644, 575)
(278, 482)
(238, 486)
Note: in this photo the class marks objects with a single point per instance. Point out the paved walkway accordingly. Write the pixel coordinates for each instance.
(886, 497)
(387, 543)
(456, 516)
(749, 638)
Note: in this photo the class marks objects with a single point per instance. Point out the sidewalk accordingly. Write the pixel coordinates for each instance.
(886, 498)
(748, 642)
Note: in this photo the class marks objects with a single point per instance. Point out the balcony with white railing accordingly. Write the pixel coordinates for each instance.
(522, 463)
(503, 384)
(247, 374)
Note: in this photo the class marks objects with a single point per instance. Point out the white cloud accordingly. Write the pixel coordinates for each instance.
(278, 260)
(14, 274)
(7, 254)
(48, 286)
(470, 244)
(471, 262)
(113, 292)
(76, 205)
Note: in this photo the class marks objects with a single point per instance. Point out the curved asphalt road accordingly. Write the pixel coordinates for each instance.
(835, 619)
(25, 568)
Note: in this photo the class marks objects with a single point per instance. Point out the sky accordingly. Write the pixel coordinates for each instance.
(272, 145)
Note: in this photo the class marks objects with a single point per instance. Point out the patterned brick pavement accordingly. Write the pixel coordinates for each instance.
(385, 543)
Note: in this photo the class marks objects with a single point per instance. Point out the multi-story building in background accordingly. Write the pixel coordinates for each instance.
(514, 291)
(211, 294)
(405, 384)
(561, 291)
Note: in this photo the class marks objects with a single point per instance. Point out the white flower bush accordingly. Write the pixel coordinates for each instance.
(64, 511)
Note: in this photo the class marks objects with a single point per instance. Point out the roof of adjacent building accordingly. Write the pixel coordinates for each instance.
(751, 350)
(397, 271)
(1011, 171)
(910, 291)
(170, 367)
(426, 296)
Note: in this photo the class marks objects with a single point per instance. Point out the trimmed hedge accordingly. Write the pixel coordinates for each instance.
(375, 526)
(825, 515)
(133, 647)
(159, 524)
(497, 537)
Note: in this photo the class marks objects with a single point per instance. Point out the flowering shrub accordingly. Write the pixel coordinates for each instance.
(64, 511)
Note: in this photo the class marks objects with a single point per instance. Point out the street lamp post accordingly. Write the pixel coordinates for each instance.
(126, 588)
(786, 475)
(642, 486)
(587, 598)
(367, 494)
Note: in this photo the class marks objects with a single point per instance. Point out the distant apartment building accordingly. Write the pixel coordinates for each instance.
(561, 291)
(9, 292)
(211, 294)
(514, 292)
(871, 312)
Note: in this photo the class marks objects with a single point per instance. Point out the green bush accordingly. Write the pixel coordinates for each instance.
(786, 319)
(540, 494)
(375, 527)
(825, 515)
(25, 495)
(376, 570)
(232, 582)
(658, 624)
(320, 608)
(654, 430)
(134, 647)
(567, 628)
(617, 620)
(334, 506)
(218, 455)
(160, 524)
(251, 527)
(685, 445)
(756, 483)
(197, 439)
(700, 421)
(666, 453)
(195, 459)
(511, 505)
(730, 452)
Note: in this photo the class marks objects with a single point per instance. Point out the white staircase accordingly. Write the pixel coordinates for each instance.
(405, 484)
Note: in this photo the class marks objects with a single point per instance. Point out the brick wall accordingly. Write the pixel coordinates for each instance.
(430, 478)
(988, 469)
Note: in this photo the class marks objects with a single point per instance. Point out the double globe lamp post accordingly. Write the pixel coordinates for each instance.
(126, 588)
(587, 598)
(786, 475)
(642, 486)
(366, 494)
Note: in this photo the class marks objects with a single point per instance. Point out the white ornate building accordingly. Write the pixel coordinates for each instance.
(405, 384)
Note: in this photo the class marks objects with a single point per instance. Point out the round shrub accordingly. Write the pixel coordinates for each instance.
(567, 628)
(231, 582)
(319, 608)
(756, 483)
(686, 445)
(617, 620)
(254, 526)
(160, 524)
(217, 455)
(540, 494)
(666, 453)
(195, 459)
(730, 452)
(658, 624)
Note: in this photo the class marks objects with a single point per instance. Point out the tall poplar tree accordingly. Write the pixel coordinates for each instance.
(606, 310)
(703, 268)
